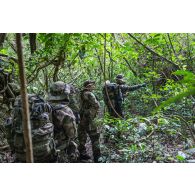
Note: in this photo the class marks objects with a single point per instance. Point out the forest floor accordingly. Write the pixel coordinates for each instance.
(147, 140)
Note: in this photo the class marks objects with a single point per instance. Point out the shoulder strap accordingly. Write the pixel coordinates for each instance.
(58, 107)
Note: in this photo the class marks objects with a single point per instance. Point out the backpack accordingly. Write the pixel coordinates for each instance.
(41, 130)
(65, 132)
(113, 92)
(64, 125)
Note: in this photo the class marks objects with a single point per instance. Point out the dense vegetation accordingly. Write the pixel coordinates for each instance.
(159, 124)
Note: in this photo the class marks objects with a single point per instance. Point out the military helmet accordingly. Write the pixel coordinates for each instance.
(89, 83)
(58, 91)
(120, 78)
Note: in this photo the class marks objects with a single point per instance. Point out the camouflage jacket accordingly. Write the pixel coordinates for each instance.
(89, 104)
(64, 121)
(126, 88)
(117, 92)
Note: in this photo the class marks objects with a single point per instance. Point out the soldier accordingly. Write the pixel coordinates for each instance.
(88, 111)
(64, 121)
(8, 89)
(114, 94)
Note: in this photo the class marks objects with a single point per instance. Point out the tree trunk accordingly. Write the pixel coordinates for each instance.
(32, 40)
(2, 38)
(104, 56)
(25, 106)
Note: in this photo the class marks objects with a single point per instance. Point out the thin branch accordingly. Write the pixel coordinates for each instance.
(106, 89)
(134, 72)
(25, 107)
(2, 38)
(4, 147)
(152, 51)
(36, 71)
(189, 53)
(186, 123)
(104, 56)
(6, 56)
(32, 41)
(98, 56)
(173, 48)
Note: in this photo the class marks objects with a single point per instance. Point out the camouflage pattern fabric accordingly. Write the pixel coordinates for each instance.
(65, 132)
(59, 91)
(44, 149)
(88, 112)
(64, 125)
(8, 89)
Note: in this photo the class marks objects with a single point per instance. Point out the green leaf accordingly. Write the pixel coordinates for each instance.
(3, 51)
(190, 91)
(180, 158)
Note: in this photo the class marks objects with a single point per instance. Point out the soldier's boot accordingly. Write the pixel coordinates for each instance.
(96, 147)
(85, 157)
(83, 153)
(73, 152)
(96, 156)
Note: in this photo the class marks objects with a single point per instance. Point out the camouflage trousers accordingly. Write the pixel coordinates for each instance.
(88, 127)
(67, 148)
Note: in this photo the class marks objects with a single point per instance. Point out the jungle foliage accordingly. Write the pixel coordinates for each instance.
(159, 119)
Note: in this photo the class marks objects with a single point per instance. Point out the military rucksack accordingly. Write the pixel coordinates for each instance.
(64, 125)
(112, 91)
(41, 130)
(65, 132)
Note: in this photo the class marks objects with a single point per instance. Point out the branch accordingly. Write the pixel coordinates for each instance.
(75, 78)
(6, 56)
(37, 70)
(2, 38)
(105, 43)
(32, 41)
(12, 46)
(152, 51)
(173, 48)
(134, 72)
(109, 53)
(186, 123)
(4, 147)
(99, 60)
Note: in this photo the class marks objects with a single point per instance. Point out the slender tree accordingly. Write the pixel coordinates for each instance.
(25, 106)
(32, 41)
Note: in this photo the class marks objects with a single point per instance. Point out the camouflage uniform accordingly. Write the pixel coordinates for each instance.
(8, 94)
(65, 130)
(114, 94)
(88, 112)
(8, 90)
